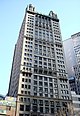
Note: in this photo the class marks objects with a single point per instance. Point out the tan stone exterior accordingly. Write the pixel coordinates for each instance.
(7, 108)
(9, 111)
(38, 76)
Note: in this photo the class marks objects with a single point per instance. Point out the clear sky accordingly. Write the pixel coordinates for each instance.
(11, 16)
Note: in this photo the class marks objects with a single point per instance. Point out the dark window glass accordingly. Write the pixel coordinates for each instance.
(52, 110)
(41, 109)
(20, 114)
(27, 108)
(21, 107)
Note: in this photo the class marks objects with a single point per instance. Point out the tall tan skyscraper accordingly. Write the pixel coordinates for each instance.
(38, 76)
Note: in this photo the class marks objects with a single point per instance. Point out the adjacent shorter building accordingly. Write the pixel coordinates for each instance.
(8, 106)
(72, 56)
(77, 76)
(76, 103)
(72, 53)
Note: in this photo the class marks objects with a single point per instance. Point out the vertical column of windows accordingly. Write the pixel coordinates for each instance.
(60, 60)
(26, 83)
(27, 61)
(55, 88)
(64, 88)
(30, 26)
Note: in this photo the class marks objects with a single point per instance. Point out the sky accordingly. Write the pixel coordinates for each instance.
(11, 16)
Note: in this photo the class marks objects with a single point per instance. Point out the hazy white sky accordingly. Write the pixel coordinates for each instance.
(11, 16)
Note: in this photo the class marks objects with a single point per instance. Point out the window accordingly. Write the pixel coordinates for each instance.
(50, 79)
(46, 110)
(29, 86)
(46, 90)
(45, 59)
(21, 107)
(45, 78)
(46, 95)
(20, 114)
(26, 114)
(40, 77)
(41, 109)
(40, 102)
(52, 104)
(40, 94)
(25, 80)
(45, 63)
(40, 58)
(28, 92)
(25, 92)
(35, 76)
(78, 99)
(40, 83)
(34, 108)
(29, 80)
(40, 62)
(35, 82)
(40, 71)
(49, 64)
(52, 110)
(21, 99)
(8, 108)
(27, 108)
(35, 101)
(35, 93)
(22, 85)
(51, 90)
(50, 84)
(45, 84)
(24, 58)
(46, 103)
(22, 79)
(25, 99)
(40, 89)
(22, 91)
(35, 89)
(25, 86)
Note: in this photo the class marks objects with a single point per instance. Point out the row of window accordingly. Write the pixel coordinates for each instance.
(40, 93)
(25, 92)
(37, 101)
(44, 71)
(35, 109)
(44, 33)
(40, 42)
(39, 58)
(26, 86)
(37, 46)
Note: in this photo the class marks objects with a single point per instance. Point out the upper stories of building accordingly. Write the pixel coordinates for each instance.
(31, 8)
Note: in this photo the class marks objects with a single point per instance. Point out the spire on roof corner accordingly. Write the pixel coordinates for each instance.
(30, 7)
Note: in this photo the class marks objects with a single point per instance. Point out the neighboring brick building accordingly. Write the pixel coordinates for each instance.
(7, 106)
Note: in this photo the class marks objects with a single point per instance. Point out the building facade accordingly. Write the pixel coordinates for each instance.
(8, 106)
(72, 56)
(38, 77)
(76, 103)
(77, 76)
(73, 84)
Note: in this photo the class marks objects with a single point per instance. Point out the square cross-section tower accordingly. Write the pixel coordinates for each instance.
(38, 76)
